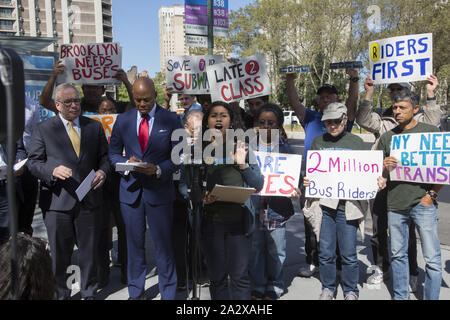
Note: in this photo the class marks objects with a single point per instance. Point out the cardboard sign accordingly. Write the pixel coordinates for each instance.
(107, 121)
(245, 79)
(343, 174)
(91, 63)
(281, 173)
(186, 74)
(401, 59)
(422, 157)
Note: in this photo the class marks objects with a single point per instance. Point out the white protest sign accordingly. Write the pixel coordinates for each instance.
(422, 157)
(343, 174)
(187, 74)
(91, 63)
(245, 79)
(401, 59)
(107, 121)
(281, 173)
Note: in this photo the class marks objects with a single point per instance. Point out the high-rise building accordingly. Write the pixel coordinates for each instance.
(72, 21)
(171, 33)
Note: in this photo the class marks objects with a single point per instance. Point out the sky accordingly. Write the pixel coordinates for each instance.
(135, 27)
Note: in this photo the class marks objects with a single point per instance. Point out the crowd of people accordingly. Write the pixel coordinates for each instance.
(242, 245)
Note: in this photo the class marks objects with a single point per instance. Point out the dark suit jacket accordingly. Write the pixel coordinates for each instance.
(158, 152)
(51, 147)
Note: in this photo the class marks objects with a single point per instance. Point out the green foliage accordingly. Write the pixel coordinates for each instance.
(159, 81)
(123, 94)
(318, 32)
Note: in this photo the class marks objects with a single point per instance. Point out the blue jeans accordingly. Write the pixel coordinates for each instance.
(335, 227)
(426, 221)
(266, 262)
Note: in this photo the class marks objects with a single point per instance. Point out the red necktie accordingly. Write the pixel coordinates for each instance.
(143, 134)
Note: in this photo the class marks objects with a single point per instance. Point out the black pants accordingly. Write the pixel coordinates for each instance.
(4, 214)
(180, 239)
(26, 201)
(63, 229)
(379, 240)
(227, 251)
(110, 208)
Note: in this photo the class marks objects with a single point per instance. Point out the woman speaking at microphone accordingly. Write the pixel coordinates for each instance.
(226, 226)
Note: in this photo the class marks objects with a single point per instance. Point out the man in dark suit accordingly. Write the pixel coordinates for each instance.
(147, 192)
(4, 209)
(63, 151)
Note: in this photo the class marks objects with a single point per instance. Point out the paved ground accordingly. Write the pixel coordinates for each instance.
(296, 288)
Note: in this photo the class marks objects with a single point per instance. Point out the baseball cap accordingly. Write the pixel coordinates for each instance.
(401, 84)
(327, 87)
(335, 110)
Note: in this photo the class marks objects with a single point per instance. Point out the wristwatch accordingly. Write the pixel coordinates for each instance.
(158, 171)
(431, 99)
(355, 79)
(433, 195)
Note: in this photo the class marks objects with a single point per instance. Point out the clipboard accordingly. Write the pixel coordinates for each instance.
(231, 193)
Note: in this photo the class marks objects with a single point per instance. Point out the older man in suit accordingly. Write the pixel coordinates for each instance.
(147, 192)
(63, 151)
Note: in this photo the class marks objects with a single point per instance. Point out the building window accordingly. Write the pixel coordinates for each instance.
(6, 25)
(6, 13)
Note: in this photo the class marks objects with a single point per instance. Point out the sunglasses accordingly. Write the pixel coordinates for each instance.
(269, 123)
(336, 122)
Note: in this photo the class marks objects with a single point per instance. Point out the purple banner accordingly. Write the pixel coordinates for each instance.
(197, 15)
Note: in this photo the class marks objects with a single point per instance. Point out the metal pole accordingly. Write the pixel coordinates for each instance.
(210, 27)
(11, 191)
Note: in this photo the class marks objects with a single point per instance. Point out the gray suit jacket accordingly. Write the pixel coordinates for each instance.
(51, 147)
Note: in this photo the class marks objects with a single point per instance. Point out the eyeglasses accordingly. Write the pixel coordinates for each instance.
(269, 123)
(69, 102)
(396, 89)
(336, 122)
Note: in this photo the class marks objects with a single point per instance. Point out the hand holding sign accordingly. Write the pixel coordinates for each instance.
(58, 68)
(432, 85)
(369, 87)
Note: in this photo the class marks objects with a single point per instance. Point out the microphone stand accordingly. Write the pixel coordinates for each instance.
(195, 176)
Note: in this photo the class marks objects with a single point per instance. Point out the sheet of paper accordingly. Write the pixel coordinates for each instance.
(85, 186)
(121, 167)
(20, 164)
(232, 194)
